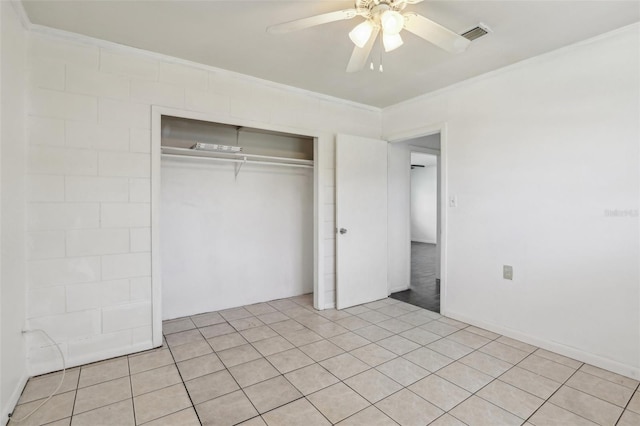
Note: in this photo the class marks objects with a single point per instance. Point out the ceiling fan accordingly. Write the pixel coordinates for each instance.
(385, 16)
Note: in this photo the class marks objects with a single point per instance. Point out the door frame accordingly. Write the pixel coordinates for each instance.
(320, 172)
(400, 137)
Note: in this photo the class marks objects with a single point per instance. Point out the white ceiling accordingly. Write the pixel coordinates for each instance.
(231, 35)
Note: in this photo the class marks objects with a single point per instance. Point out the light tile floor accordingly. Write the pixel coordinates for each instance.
(383, 363)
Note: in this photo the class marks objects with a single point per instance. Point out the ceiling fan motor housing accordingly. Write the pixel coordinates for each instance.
(373, 9)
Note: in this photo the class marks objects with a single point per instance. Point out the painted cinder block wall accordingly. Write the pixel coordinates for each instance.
(88, 166)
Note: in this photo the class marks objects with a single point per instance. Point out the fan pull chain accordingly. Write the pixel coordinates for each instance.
(381, 49)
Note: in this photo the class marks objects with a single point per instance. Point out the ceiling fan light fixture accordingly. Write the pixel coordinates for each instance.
(392, 22)
(391, 41)
(361, 33)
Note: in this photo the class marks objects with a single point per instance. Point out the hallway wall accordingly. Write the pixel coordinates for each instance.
(424, 204)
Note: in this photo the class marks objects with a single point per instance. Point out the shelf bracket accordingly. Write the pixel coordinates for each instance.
(239, 166)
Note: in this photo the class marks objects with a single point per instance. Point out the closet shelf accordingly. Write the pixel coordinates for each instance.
(236, 157)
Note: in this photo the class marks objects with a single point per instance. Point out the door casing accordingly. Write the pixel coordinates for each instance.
(400, 137)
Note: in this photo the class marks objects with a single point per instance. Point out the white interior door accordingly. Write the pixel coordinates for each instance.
(361, 220)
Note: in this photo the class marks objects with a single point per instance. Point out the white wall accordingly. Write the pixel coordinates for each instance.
(536, 154)
(230, 242)
(13, 49)
(424, 204)
(89, 179)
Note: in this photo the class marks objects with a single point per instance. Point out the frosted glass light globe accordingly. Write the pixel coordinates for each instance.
(392, 22)
(391, 41)
(361, 33)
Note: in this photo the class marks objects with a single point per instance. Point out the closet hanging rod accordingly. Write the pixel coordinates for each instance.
(187, 152)
(238, 160)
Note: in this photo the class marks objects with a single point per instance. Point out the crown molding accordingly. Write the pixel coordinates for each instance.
(112, 46)
(92, 41)
(521, 64)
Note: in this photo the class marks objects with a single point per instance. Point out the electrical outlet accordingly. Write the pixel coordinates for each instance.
(507, 272)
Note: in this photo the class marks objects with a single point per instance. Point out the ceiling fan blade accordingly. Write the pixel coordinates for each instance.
(300, 24)
(435, 33)
(360, 55)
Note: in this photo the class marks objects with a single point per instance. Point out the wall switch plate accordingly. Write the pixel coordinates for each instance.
(507, 272)
(453, 201)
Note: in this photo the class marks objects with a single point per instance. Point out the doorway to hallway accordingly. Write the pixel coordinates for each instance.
(424, 211)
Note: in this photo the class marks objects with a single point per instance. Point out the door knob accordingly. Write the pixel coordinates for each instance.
(343, 231)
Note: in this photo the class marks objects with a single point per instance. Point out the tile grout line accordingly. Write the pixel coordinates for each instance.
(303, 304)
(133, 403)
(318, 410)
(280, 373)
(184, 385)
(75, 396)
(493, 380)
(242, 389)
(399, 355)
(302, 396)
(579, 369)
(372, 368)
(395, 357)
(472, 393)
(551, 396)
(236, 381)
(458, 360)
(597, 397)
(512, 367)
(626, 407)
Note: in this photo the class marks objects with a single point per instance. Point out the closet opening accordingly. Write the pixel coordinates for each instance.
(237, 222)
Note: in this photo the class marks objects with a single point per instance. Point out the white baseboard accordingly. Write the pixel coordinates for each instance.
(589, 358)
(413, 240)
(38, 369)
(13, 400)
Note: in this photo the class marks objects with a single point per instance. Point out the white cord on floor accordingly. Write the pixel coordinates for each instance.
(64, 369)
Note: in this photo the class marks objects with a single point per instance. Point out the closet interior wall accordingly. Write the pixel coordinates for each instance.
(230, 240)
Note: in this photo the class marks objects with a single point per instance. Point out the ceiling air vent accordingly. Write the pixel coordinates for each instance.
(477, 32)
